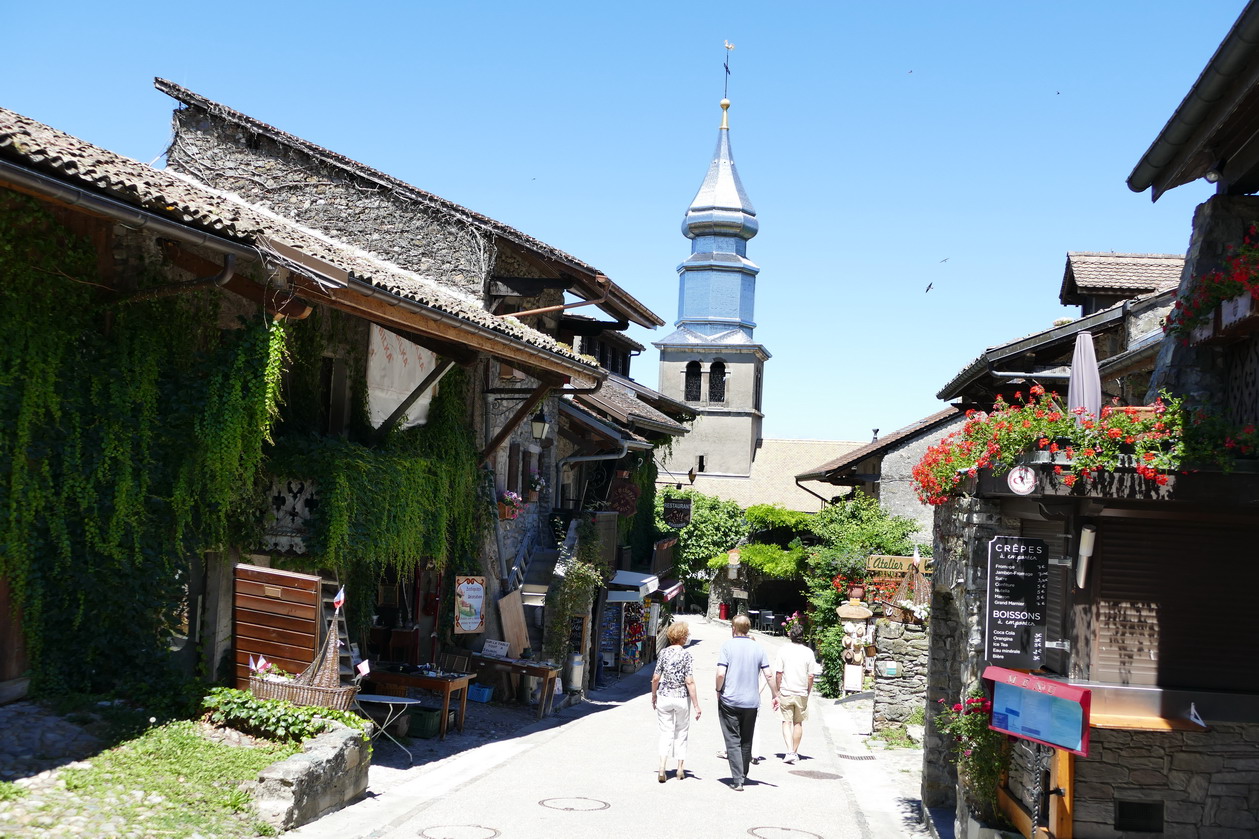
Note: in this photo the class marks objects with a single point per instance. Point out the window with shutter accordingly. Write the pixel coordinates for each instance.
(1169, 603)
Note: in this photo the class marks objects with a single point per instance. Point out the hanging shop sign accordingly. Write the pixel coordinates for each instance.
(1017, 602)
(889, 566)
(469, 605)
(1041, 710)
(677, 512)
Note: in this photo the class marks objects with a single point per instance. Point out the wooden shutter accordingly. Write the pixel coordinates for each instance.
(275, 616)
(1170, 598)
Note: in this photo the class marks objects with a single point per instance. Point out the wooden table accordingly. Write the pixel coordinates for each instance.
(445, 685)
(522, 667)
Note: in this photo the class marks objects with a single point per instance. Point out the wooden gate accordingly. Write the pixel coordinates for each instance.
(276, 616)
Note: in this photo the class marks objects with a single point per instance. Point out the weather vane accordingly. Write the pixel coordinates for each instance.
(725, 89)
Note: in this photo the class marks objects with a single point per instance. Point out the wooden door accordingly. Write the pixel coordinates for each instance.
(276, 616)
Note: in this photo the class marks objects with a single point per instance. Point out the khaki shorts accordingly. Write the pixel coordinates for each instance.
(794, 708)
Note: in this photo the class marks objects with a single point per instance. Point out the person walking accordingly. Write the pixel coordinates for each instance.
(794, 670)
(673, 696)
(740, 665)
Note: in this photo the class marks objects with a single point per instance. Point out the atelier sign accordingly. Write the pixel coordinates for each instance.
(1017, 602)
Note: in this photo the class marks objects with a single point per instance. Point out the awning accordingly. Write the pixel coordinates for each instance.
(670, 589)
(625, 597)
(645, 583)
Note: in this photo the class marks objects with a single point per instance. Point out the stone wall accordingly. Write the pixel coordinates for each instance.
(963, 528)
(896, 488)
(1207, 782)
(897, 697)
(329, 773)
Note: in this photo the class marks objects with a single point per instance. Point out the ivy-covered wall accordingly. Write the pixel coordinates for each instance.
(131, 438)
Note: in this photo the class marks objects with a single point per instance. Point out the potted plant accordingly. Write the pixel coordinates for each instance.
(850, 573)
(510, 505)
(537, 483)
(1219, 300)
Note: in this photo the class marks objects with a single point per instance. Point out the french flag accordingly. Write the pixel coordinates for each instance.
(339, 600)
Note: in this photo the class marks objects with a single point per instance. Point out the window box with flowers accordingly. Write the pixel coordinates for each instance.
(1154, 441)
(1221, 301)
(510, 505)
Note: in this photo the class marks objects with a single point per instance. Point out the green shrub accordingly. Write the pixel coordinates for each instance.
(274, 719)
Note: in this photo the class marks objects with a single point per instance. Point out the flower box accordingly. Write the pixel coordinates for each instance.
(1235, 311)
(1206, 330)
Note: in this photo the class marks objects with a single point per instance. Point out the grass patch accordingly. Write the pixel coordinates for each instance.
(174, 782)
(895, 736)
(10, 791)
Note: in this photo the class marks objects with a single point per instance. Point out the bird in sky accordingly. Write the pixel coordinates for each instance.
(929, 285)
(946, 259)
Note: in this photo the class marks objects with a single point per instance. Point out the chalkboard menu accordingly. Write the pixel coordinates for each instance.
(1017, 605)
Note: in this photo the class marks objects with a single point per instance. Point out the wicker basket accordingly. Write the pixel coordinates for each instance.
(319, 684)
(339, 698)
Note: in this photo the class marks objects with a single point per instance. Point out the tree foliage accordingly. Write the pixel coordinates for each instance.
(716, 527)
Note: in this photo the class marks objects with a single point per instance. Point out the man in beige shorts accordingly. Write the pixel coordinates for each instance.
(794, 671)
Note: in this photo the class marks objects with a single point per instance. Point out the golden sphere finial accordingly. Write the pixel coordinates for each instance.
(725, 103)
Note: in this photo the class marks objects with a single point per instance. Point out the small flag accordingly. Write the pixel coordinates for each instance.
(253, 665)
(1193, 715)
(364, 667)
(262, 664)
(339, 600)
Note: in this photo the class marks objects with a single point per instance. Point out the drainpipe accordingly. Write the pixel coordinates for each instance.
(825, 501)
(587, 458)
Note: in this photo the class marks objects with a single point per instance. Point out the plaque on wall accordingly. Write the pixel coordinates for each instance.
(1017, 604)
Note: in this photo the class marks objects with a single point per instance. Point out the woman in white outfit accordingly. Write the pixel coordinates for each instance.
(673, 695)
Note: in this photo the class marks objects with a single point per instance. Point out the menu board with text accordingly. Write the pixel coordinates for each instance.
(1017, 604)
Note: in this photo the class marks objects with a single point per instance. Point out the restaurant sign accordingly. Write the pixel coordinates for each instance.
(677, 512)
(1017, 604)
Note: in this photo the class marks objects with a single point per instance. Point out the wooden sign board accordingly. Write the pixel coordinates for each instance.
(676, 512)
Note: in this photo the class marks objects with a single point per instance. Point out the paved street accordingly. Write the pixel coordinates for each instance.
(592, 772)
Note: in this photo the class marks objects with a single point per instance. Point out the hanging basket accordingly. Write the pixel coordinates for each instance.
(319, 684)
(914, 587)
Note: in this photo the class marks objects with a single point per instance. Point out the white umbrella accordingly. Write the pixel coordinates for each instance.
(1084, 387)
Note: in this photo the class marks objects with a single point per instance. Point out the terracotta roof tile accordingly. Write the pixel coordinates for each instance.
(181, 199)
(1125, 274)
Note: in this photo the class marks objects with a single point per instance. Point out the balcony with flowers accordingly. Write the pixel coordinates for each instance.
(1223, 303)
(1153, 442)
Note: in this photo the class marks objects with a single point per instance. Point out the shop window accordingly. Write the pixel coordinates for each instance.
(513, 468)
(717, 382)
(691, 390)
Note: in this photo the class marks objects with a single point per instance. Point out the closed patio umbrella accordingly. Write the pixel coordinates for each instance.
(1084, 387)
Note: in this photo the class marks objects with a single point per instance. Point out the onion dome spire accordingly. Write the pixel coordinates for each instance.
(721, 206)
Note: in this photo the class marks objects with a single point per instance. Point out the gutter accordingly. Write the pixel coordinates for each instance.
(144, 220)
(1198, 115)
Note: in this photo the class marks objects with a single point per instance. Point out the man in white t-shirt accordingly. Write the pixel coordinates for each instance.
(794, 671)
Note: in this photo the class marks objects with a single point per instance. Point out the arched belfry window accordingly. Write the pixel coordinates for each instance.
(717, 382)
(691, 390)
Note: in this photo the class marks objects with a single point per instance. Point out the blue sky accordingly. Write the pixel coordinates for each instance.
(876, 140)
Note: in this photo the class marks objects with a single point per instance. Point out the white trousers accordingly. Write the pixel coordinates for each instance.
(674, 715)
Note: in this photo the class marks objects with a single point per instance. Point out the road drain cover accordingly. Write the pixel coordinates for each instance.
(854, 757)
(781, 833)
(459, 831)
(579, 804)
(813, 773)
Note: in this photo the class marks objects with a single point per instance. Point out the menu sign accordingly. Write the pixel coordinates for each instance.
(1017, 604)
(1042, 710)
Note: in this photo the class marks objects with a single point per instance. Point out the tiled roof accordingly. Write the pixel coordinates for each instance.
(1126, 274)
(773, 478)
(181, 94)
(880, 446)
(180, 199)
(617, 400)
